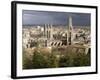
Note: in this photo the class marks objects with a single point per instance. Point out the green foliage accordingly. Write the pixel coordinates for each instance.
(39, 60)
(64, 61)
(81, 60)
(52, 61)
(27, 63)
(42, 59)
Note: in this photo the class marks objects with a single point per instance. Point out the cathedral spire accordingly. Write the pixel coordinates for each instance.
(70, 23)
(70, 31)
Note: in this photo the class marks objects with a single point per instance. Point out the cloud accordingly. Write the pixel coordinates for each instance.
(31, 17)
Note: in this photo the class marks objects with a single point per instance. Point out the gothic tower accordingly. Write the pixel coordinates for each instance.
(70, 31)
(51, 33)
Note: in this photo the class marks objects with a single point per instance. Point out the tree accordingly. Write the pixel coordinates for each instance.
(64, 61)
(39, 60)
(27, 63)
(82, 60)
(52, 61)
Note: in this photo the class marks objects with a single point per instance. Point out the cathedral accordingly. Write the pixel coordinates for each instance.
(50, 41)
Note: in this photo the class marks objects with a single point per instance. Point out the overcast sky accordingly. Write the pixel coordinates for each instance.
(31, 17)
